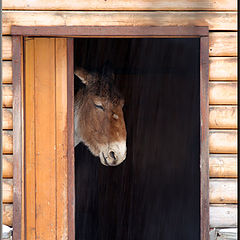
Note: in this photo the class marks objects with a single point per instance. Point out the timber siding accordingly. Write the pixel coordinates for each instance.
(220, 16)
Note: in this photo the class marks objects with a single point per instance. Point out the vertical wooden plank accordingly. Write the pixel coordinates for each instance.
(30, 169)
(204, 151)
(62, 137)
(17, 138)
(70, 116)
(45, 138)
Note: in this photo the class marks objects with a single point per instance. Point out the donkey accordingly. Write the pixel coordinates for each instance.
(98, 117)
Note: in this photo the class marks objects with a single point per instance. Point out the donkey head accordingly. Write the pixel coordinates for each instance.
(98, 117)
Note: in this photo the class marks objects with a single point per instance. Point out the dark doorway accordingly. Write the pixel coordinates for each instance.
(155, 193)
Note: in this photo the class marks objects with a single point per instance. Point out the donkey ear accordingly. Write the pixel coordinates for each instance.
(82, 74)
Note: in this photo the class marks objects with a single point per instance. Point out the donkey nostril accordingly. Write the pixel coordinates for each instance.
(112, 154)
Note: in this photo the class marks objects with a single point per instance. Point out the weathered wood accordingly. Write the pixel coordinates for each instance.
(214, 20)
(6, 48)
(227, 234)
(223, 44)
(223, 93)
(223, 141)
(7, 191)
(223, 68)
(136, 5)
(6, 232)
(223, 117)
(7, 142)
(7, 166)
(7, 95)
(7, 119)
(7, 214)
(223, 215)
(223, 190)
(7, 71)
(223, 165)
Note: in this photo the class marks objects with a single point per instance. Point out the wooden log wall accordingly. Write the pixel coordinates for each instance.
(220, 16)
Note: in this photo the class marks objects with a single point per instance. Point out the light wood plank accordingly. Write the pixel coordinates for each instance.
(45, 138)
(215, 20)
(7, 214)
(227, 234)
(136, 5)
(223, 215)
(7, 166)
(223, 141)
(223, 117)
(223, 68)
(223, 165)
(6, 48)
(223, 190)
(62, 136)
(7, 95)
(7, 191)
(30, 176)
(7, 142)
(7, 71)
(223, 44)
(7, 119)
(223, 93)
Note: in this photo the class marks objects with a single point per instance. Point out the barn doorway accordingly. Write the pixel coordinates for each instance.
(155, 192)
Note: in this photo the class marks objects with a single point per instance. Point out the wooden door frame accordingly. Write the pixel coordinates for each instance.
(70, 32)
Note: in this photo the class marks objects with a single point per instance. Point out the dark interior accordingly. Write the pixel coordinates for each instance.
(155, 193)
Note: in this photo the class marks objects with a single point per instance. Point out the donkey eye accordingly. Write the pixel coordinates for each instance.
(99, 106)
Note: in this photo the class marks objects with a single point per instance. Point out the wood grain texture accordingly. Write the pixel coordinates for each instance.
(6, 48)
(223, 93)
(223, 117)
(7, 214)
(223, 215)
(223, 190)
(7, 71)
(214, 20)
(223, 141)
(7, 166)
(7, 95)
(223, 44)
(7, 191)
(137, 5)
(223, 68)
(7, 142)
(7, 119)
(223, 165)
(227, 234)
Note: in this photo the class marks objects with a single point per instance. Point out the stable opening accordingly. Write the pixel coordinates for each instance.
(153, 193)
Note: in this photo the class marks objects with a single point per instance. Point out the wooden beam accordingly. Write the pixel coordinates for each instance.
(7, 191)
(223, 141)
(7, 119)
(7, 214)
(7, 95)
(7, 140)
(7, 166)
(223, 44)
(124, 5)
(223, 215)
(7, 71)
(223, 117)
(6, 48)
(223, 190)
(223, 165)
(214, 20)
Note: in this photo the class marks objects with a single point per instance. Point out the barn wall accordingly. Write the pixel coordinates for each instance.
(220, 16)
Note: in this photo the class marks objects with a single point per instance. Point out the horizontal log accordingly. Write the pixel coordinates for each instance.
(223, 215)
(7, 191)
(7, 71)
(214, 20)
(7, 142)
(7, 166)
(223, 141)
(223, 117)
(6, 48)
(223, 165)
(137, 5)
(223, 44)
(7, 95)
(7, 119)
(223, 68)
(7, 214)
(223, 190)
(223, 93)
